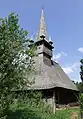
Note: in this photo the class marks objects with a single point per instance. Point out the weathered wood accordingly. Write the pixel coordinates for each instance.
(54, 102)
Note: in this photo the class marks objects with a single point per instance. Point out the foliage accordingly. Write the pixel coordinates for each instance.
(25, 112)
(81, 68)
(81, 104)
(15, 59)
(79, 86)
(30, 98)
(81, 101)
(30, 108)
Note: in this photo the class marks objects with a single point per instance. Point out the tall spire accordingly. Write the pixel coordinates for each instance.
(42, 27)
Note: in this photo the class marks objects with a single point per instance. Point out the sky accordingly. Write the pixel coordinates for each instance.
(64, 21)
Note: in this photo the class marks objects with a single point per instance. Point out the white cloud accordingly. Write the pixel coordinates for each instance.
(71, 68)
(80, 49)
(59, 55)
(67, 69)
(54, 58)
(77, 79)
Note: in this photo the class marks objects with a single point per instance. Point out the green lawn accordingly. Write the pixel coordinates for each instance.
(36, 113)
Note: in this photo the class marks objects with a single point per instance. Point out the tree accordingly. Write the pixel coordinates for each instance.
(79, 86)
(81, 68)
(15, 59)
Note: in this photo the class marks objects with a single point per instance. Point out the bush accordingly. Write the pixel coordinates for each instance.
(26, 112)
(81, 104)
(30, 106)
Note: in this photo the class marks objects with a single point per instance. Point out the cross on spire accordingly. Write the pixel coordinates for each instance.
(42, 27)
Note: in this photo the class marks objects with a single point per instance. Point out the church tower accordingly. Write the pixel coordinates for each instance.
(44, 46)
(50, 77)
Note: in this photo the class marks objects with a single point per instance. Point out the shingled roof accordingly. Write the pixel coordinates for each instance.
(48, 77)
(42, 27)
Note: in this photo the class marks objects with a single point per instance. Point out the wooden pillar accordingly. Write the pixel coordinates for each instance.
(54, 102)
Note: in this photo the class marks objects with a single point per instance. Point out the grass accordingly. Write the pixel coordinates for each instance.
(25, 112)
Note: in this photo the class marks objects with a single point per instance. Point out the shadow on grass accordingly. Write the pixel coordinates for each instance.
(23, 114)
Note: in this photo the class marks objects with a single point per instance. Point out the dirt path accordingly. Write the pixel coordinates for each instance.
(74, 115)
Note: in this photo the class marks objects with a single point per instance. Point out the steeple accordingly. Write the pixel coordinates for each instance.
(42, 27)
(44, 46)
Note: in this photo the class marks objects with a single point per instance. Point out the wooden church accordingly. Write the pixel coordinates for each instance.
(50, 77)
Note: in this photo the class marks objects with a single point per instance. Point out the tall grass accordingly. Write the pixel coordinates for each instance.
(32, 107)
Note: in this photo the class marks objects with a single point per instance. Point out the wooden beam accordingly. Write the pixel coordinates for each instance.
(54, 102)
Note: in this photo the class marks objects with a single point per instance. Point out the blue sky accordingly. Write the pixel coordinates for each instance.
(64, 20)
